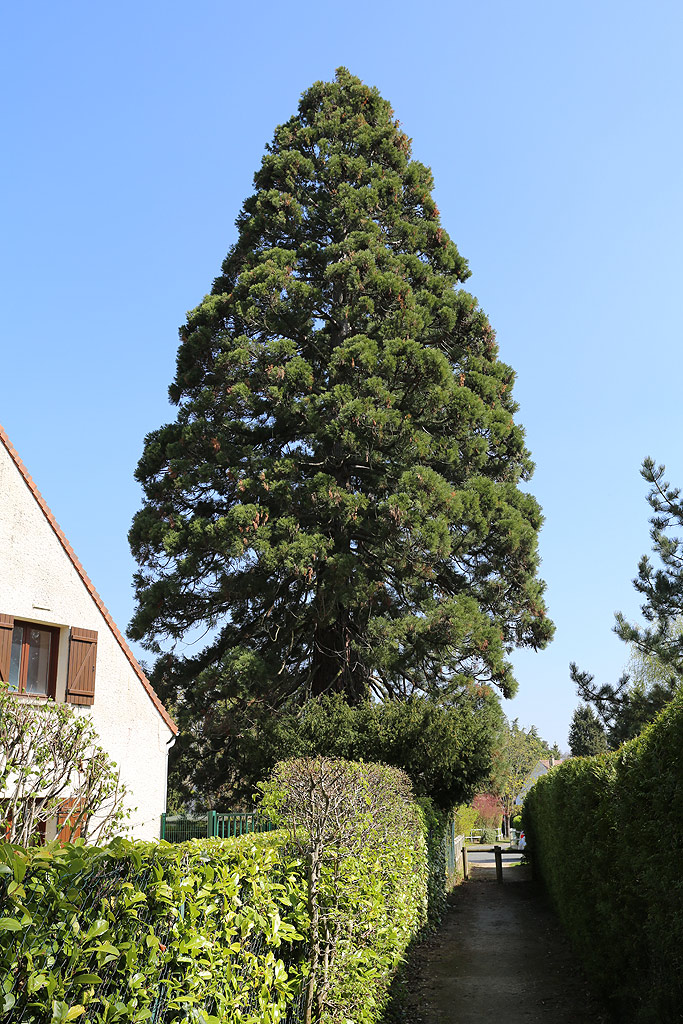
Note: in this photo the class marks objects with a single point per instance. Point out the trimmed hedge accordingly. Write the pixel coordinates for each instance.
(605, 835)
(363, 840)
(145, 932)
(208, 931)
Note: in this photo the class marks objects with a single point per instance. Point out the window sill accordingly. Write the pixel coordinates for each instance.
(33, 698)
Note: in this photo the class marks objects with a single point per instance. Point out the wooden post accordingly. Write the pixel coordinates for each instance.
(498, 854)
(465, 865)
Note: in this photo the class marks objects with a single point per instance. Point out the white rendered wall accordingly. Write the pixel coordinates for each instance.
(39, 583)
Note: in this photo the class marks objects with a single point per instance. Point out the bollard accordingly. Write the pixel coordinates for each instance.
(498, 854)
(465, 865)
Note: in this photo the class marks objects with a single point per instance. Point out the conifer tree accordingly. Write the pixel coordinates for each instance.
(655, 668)
(337, 504)
(586, 733)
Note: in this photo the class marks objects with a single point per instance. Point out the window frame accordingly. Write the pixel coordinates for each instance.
(23, 662)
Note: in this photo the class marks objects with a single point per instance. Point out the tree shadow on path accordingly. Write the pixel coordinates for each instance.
(499, 953)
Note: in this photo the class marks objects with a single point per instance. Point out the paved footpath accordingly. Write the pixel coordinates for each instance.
(499, 955)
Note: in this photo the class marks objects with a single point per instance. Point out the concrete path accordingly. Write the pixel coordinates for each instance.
(499, 955)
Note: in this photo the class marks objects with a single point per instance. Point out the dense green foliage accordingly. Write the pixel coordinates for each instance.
(442, 876)
(216, 930)
(446, 751)
(363, 840)
(586, 733)
(488, 835)
(337, 504)
(465, 819)
(606, 835)
(194, 932)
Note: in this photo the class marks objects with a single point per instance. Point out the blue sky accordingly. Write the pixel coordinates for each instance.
(132, 133)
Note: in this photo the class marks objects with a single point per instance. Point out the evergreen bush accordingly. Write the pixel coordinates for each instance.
(212, 930)
(605, 834)
(138, 931)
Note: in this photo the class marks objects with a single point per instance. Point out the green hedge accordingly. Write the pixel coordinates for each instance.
(605, 835)
(147, 932)
(363, 841)
(208, 931)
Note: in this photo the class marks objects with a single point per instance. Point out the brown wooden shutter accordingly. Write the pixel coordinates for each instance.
(6, 627)
(80, 680)
(69, 812)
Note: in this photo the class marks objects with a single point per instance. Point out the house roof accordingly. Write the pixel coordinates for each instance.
(86, 580)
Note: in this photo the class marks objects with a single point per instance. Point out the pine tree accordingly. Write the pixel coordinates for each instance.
(337, 504)
(661, 641)
(655, 669)
(586, 733)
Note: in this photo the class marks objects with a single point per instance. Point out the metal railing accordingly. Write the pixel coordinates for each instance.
(453, 846)
(476, 833)
(178, 828)
(238, 823)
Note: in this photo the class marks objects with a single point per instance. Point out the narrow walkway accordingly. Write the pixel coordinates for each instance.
(499, 955)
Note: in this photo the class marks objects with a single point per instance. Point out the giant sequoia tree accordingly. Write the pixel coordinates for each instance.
(337, 504)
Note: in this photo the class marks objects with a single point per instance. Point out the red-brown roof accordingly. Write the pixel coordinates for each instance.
(86, 580)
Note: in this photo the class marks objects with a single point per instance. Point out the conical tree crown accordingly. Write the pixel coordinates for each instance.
(337, 500)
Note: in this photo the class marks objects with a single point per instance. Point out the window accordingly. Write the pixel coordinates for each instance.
(33, 659)
(28, 660)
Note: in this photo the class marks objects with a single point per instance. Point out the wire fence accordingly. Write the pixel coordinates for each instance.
(97, 886)
(108, 885)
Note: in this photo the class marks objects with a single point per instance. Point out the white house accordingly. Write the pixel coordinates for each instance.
(540, 768)
(57, 640)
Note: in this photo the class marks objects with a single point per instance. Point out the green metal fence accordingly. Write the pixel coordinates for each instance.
(177, 828)
(238, 823)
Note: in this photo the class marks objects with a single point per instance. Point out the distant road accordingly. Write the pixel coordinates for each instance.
(483, 857)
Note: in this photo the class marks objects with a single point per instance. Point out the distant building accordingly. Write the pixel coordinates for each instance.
(540, 768)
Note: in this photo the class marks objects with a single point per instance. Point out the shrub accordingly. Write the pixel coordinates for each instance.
(489, 810)
(445, 751)
(138, 931)
(213, 930)
(617, 884)
(442, 875)
(363, 840)
(488, 835)
(465, 819)
(50, 761)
